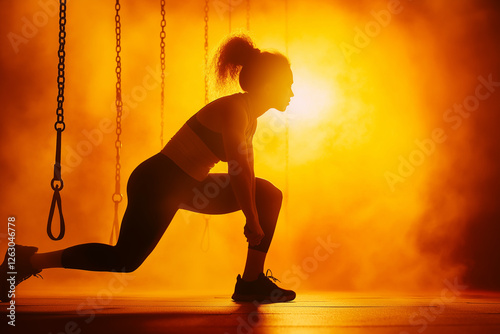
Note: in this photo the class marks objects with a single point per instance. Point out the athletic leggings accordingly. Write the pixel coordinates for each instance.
(156, 189)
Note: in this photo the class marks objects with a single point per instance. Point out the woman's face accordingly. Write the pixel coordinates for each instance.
(276, 91)
(281, 89)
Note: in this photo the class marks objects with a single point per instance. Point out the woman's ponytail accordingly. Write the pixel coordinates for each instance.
(233, 54)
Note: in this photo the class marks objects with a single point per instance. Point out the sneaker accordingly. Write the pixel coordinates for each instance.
(261, 290)
(22, 267)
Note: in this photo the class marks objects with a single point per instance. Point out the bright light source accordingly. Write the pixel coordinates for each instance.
(313, 98)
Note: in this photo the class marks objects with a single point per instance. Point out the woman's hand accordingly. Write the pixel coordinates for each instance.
(253, 232)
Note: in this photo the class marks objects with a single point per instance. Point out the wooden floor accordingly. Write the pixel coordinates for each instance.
(477, 313)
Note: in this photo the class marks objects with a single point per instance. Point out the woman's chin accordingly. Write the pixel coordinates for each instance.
(282, 107)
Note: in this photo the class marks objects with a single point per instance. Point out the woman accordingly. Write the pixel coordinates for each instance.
(158, 187)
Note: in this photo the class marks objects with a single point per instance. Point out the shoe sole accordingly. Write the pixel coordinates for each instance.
(260, 298)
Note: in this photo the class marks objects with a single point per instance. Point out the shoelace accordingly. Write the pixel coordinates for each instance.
(37, 275)
(271, 276)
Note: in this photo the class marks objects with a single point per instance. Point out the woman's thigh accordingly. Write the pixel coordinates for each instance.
(155, 190)
(142, 228)
(215, 195)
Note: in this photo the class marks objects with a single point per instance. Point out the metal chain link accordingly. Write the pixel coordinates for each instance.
(60, 126)
(117, 196)
(61, 80)
(206, 50)
(162, 61)
(57, 183)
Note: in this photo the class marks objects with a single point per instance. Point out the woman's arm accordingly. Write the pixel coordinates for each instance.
(252, 164)
(239, 154)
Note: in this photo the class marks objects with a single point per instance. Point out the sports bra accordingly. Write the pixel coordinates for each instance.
(212, 139)
(196, 149)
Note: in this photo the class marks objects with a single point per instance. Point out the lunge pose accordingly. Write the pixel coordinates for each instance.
(158, 187)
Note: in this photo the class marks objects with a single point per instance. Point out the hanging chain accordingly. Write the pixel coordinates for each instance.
(162, 61)
(61, 68)
(117, 196)
(57, 183)
(206, 50)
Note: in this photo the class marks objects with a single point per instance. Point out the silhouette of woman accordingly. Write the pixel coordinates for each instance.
(158, 187)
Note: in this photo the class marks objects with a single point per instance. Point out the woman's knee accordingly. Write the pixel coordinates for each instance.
(127, 262)
(130, 267)
(268, 192)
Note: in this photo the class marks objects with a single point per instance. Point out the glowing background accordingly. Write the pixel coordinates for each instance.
(352, 118)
